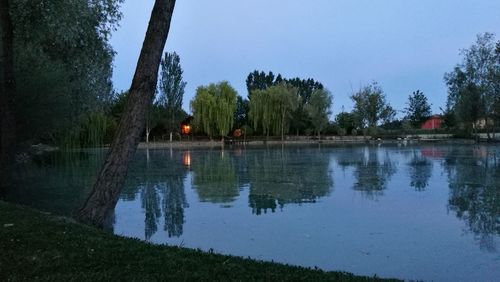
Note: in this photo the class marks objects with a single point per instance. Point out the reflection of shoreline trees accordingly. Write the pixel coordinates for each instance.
(174, 202)
(420, 171)
(279, 177)
(214, 177)
(274, 177)
(474, 193)
(161, 188)
(372, 169)
(150, 202)
(57, 182)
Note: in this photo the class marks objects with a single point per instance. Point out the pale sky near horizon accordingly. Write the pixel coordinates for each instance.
(403, 45)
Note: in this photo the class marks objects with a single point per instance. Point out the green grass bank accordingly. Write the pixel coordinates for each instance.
(36, 246)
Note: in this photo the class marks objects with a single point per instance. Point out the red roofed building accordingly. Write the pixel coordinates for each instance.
(433, 122)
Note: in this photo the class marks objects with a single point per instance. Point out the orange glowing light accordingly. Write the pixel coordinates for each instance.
(186, 159)
(185, 129)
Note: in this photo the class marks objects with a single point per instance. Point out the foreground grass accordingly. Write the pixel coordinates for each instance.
(37, 246)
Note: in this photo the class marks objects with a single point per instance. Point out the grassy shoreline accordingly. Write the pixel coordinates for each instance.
(305, 142)
(37, 246)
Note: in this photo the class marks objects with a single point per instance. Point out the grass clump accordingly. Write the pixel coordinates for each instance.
(40, 247)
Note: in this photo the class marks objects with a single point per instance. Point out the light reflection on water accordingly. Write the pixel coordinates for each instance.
(416, 212)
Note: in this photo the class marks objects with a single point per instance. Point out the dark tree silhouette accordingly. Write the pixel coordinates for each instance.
(7, 95)
(150, 202)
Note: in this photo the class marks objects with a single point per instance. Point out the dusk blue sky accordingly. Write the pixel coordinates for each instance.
(404, 45)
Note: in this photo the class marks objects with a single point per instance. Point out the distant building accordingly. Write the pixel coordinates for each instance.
(433, 122)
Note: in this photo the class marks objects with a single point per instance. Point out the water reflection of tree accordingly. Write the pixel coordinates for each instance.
(474, 178)
(57, 182)
(279, 177)
(174, 202)
(214, 177)
(150, 202)
(373, 169)
(159, 180)
(420, 170)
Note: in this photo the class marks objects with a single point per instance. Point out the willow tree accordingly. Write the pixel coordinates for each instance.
(318, 109)
(285, 100)
(213, 108)
(271, 109)
(202, 107)
(110, 180)
(260, 112)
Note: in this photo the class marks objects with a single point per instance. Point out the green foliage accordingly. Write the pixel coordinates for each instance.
(213, 108)
(301, 121)
(418, 109)
(346, 121)
(154, 117)
(260, 81)
(97, 129)
(171, 88)
(305, 87)
(474, 84)
(271, 109)
(371, 107)
(63, 65)
(118, 105)
(42, 105)
(318, 109)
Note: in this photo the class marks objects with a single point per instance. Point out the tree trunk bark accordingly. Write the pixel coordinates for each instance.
(111, 178)
(7, 95)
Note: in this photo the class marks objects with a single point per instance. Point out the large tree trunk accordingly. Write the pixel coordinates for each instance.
(7, 94)
(111, 178)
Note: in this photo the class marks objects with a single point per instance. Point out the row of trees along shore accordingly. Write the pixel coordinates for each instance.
(277, 106)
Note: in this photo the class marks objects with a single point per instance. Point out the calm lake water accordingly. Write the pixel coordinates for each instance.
(413, 212)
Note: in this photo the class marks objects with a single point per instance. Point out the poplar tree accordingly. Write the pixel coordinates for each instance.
(171, 88)
(318, 109)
